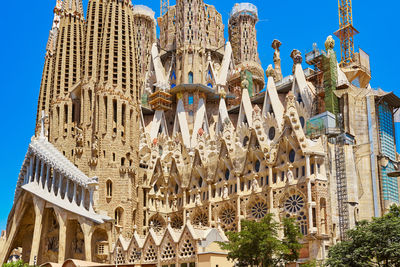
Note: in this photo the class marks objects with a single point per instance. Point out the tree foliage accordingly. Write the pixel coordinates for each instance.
(258, 244)
(19, 263)
(375, 243)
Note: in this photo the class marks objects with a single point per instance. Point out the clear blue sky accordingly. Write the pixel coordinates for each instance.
(297, 24)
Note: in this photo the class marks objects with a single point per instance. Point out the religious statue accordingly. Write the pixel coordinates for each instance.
(289, 174)
(174, 204)
(225, 191)
(254, 184)
(198, 198)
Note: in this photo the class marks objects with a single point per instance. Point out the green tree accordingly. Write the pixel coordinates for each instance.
(375, 243)
(19, 263)
(258, 244)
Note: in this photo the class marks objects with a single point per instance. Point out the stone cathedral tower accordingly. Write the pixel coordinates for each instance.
(243, 37)
(147, 150)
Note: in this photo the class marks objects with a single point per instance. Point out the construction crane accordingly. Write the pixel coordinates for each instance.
(346, 32)
(164, 5)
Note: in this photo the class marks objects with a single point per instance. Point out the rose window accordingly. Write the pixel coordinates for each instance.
(156, 224)
(259, 210)
(176, 222)
(228, 216)
(294, 204)
(200, 218)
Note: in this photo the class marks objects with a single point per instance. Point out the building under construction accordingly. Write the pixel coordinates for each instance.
(148, 149)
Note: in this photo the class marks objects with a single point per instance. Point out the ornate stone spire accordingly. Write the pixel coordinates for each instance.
(277, 60)
(48, 69)
(297, 58)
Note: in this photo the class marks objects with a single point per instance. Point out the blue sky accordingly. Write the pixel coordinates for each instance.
(297, 24)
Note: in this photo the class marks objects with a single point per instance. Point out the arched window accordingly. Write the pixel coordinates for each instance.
(227, 174)
(190, 78)
(257, 166)
(245, 140)
(119, 212)
(292, 155)
(109, 188)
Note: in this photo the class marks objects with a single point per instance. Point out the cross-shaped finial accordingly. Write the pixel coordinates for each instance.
(42, 120)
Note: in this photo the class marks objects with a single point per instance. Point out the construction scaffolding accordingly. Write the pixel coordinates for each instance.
(341, 181)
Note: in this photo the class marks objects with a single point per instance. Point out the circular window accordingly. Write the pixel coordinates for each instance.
(302, 122)
(259, 210)
(271, 133)
(292, 155)
(177, 222)
(157, 225)
(200, 219)
(294, 204)
(228, 216)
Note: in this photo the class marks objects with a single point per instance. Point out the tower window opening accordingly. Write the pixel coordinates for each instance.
(115, 110)
(190, 78)
(109, 188)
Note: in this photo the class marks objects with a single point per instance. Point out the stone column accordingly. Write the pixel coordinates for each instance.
(91, 200)
(87, 229)
(41, 174)
(82, 204)
(48, 177)
(270, 192)
(60, 185)
(74, 194)
(38, 205)
(239, 224)
(66, 190)
(62, 239)
(209, 204)
(309, 195)
(37, 169)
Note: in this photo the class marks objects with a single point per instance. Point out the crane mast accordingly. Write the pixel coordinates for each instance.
(164, 5)
(346, 32)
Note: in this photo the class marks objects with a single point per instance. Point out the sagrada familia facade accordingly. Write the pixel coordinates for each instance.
(148, 149)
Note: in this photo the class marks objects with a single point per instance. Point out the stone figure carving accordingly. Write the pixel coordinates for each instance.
(174, 204)
(254, 184)
(198, 198)
(277, 60)
(225, 191)
(289, 174)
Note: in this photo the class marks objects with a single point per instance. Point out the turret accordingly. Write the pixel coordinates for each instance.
(243, 37)
(145, 35)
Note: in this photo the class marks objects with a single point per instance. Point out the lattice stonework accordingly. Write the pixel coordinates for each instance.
(134, 256)
(168, 252)
(120, 256)
(187, 249)
(151, 254)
